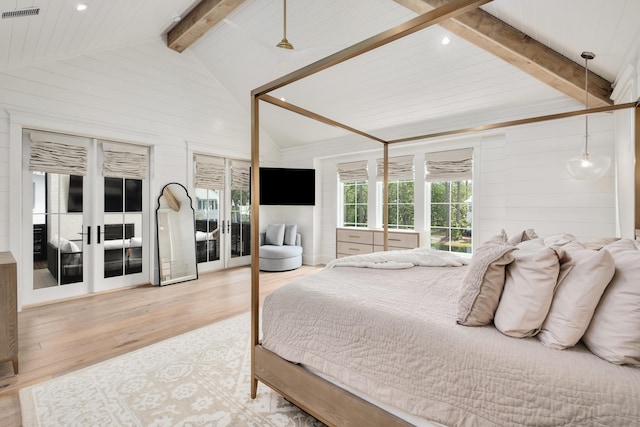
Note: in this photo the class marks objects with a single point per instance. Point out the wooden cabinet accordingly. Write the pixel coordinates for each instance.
(8, 310)
(354, 241)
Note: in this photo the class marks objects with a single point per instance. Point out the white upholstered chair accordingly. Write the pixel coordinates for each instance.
(280, 248)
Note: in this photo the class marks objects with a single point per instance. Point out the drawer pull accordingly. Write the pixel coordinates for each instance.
(395, 240)
(355, 249)
(354, 237)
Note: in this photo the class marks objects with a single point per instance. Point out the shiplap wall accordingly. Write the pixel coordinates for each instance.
(145, 94)
(520, 181)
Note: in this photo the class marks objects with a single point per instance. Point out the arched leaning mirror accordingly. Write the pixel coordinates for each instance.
(176, 235)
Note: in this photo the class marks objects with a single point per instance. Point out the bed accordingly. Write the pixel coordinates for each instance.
(354, 399)
(392, 336)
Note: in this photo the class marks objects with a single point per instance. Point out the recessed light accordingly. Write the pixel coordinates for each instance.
(81, 6)
(283, 100)
(446, 40)
(177, 18)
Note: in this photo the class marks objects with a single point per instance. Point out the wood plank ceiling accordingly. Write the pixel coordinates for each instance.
(476, 26)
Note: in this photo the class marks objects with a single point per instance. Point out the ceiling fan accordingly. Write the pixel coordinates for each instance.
(286, 58)
(284, 43)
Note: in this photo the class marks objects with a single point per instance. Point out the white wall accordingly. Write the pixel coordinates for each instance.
(146, 94)
(520, 181)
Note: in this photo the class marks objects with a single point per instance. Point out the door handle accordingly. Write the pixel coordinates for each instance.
(98, 234)
(223, 227)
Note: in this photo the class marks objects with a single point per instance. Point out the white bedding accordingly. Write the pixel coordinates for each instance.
(393, 260)
(392, 335)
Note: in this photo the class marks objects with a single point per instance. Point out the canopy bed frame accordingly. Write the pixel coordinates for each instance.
(327, 402)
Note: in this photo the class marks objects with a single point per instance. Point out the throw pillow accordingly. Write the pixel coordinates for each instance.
(290, 233)
(577, 295)
(614, 331)
(523, 236)
(528, 290)
(482, 286)
(274, 235)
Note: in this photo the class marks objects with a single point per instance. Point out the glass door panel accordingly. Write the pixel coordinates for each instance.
(207, 225)
(240, 223)
(122, 234)
(58, 257)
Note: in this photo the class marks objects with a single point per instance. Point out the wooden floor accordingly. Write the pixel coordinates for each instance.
(59, 338)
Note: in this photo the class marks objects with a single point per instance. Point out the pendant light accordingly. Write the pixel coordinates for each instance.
(284, 43)
(587, 165)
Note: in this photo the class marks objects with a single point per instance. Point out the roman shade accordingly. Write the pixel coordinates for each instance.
(353, 171)
(399, 168)
(209, 172)
(57, 153)
(452, 165)
(240, 175)
(125, 160)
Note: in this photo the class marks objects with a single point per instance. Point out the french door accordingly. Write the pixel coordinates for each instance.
(222, 209)
(84, 233)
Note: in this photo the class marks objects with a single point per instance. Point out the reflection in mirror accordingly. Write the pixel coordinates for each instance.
(176, 235)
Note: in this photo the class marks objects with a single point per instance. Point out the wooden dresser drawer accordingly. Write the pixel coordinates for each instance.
(397, 240)
(355, 236)
(348, 248)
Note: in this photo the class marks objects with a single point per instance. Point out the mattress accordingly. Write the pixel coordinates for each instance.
(392, 335)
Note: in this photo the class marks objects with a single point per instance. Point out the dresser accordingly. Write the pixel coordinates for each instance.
(354, 241)
(8, 310)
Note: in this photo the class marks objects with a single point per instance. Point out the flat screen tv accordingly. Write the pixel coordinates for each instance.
(283, 186)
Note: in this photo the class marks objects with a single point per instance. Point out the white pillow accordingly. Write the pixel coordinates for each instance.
(290, 232)
(614, 332)
(523, 236)
(274, 235)
(528, 290)
(588, 273)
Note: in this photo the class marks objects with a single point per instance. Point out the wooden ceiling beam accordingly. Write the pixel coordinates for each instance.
(204, 16)
(499, 38)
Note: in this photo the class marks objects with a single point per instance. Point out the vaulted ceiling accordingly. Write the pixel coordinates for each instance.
(508, 60)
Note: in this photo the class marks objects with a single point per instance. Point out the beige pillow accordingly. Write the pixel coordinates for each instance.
(597, 244)
(560, 239)
(522, 236)
(614, 332)
(482, 286)
(588, 273)
(528, 290)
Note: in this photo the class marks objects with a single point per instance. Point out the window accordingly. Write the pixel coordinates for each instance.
(451, 225)
(400, 204)
(401, 189)
(354, 185)
(354, 203)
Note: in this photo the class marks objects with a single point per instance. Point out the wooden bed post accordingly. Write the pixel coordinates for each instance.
(255, 238)
(385, 198)
(637, 169)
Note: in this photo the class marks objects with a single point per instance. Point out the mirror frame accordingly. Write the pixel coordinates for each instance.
(193, 236)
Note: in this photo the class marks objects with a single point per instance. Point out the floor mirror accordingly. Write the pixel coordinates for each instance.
(175, 227)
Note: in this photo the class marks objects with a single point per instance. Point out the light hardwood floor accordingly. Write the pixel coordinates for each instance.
(59, 338)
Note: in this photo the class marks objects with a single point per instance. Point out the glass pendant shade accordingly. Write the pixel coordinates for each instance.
(588, 166)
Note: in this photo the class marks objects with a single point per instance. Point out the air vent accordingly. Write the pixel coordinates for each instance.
(19, 13)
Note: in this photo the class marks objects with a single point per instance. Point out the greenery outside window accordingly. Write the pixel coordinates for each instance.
(400, 204)
(451, 219)
(354, 203)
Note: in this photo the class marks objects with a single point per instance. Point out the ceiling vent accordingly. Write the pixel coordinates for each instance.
(19, 13)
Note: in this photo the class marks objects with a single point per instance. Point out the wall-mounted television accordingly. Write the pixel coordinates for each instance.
(284, 186)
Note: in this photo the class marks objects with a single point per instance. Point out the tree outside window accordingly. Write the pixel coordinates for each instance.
(354, 202)
(401, 204)
(451, 226)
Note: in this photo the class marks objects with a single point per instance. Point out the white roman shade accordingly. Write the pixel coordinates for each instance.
(353, 171)
(57, 153)
(209, 172)
(399, 168)
(452, 165)
(124, 160)
(240, 175)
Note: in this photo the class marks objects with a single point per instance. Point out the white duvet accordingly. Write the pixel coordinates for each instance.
(393, 260)
(392, 335)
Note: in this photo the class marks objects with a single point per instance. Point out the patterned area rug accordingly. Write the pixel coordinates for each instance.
(201, 378)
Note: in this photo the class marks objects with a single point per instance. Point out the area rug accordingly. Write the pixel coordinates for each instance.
(201, 378)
